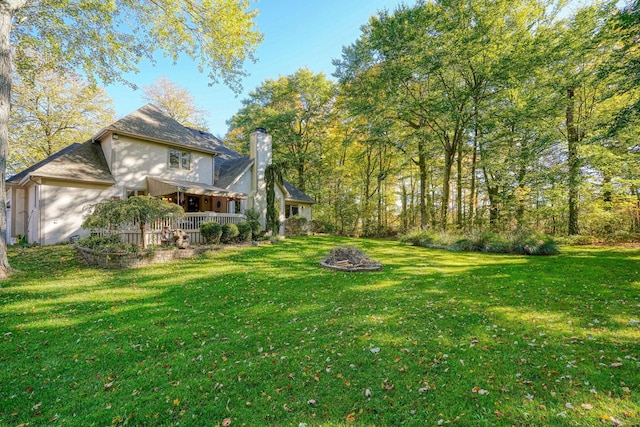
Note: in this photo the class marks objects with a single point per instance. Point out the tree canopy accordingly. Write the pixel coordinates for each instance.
(50, 111)
(177, 102)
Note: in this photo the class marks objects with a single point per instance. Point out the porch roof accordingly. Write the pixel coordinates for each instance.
(161, 187)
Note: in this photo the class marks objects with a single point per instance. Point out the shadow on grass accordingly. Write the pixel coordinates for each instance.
(263, 335)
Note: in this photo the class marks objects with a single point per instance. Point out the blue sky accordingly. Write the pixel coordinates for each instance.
(297, 33)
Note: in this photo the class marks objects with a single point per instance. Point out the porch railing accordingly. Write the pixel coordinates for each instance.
(190, 225)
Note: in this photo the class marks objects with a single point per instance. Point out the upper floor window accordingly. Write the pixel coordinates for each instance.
(179, 159)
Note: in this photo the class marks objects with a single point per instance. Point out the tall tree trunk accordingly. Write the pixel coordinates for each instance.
(459, 200)
(431, 201)
(404, 215)
(473, 194)
(422, 166)
(520, 192)
(301, 176)
(573, 163)
(446, 178)
(636, 215)
(7, 8)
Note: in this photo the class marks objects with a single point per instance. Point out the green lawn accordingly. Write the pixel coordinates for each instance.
(263, 336)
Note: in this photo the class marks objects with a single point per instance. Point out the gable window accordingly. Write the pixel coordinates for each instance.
(179, 159)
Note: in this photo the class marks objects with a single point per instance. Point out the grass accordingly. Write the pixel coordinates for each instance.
(263, 336)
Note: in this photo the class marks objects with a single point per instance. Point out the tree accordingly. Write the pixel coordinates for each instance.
(272, 176)
(429, 67)
(141, 210)
(295, 109)
(50, 111)
(622, 71)
(92, 37)
(580, 50)
(176, 102)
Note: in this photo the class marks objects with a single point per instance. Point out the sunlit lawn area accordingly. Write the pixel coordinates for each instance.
(263, 336)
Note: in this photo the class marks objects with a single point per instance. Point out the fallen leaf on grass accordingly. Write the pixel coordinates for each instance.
(616, 364)
(351, 417)
(613, 421)
(480, 391)
(226, 422)
(587, 406)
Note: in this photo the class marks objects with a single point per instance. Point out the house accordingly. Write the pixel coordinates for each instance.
(145, 153)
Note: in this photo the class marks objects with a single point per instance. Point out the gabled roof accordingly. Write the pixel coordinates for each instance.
(78, 162)
(85, 162)
(294, 194)
(228, 171)
(150, 123)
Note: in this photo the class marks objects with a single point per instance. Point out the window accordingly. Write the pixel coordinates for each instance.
(132, 192)
(292, 210)
(179, 159)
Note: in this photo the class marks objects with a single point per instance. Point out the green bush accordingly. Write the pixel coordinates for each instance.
(252, 214)
(256, 228)
(523, 242)
(108, 244)
(323, 227)
(229, 233)
(482, 242)
(295, 225)
(423, 238)
(244, 232)
(211, 232)
(527, 243)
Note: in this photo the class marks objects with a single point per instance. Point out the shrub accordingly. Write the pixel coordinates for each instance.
(482, 242)
(523, 242)
(320, 226)
(295, 225)
(256, 228)
(244, 232)
(229, 232)
(211, 232)
(423, 238)
(252, 214)
(526, 243)
(108, 244)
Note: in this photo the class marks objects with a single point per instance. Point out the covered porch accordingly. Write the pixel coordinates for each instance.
(197, 197)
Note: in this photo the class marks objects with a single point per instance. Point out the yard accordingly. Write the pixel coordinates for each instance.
(263, 336)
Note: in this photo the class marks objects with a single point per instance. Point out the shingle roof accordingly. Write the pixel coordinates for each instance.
(78, 162)
(86, 162)
(229, 170)
(295, 194)
(149, 122)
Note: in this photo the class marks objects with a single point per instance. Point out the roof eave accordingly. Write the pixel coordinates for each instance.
(111, 130)
(85, 181)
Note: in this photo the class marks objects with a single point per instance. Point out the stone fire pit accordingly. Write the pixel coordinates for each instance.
(349, 258)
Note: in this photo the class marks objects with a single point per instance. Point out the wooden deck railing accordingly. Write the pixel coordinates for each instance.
(190, 225)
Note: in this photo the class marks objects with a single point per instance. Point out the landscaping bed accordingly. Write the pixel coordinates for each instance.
(120, 260)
